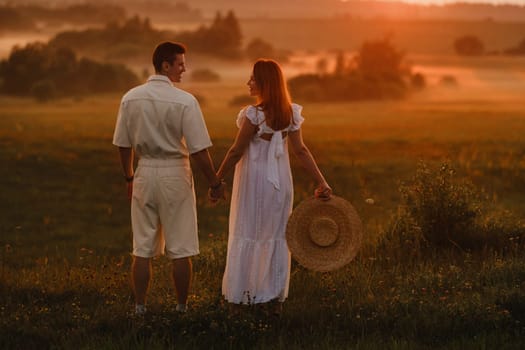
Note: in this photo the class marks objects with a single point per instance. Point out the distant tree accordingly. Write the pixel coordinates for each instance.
(62, 64)
(380, 60)
(418, 81)
(321, 66)
(137, 27)
(448, 80)
(24, 67)
(104, 77)
(258, 48)
(469, 45)
(233, 29)
(222, 38)
(340, 64)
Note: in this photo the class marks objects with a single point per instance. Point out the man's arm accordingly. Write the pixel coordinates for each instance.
(126, 159)
(205, 164)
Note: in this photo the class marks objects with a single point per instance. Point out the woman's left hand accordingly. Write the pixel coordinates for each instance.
(216, 194)
(323, 191)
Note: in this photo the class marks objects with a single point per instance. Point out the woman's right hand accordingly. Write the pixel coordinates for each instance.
(323, 191)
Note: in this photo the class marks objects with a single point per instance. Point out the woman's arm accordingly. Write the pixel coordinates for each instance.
(306, 159)
(236, 151)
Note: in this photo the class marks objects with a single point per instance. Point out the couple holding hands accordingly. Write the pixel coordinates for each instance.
(163, 127)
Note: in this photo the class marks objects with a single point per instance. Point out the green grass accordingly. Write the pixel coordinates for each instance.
(65, 234)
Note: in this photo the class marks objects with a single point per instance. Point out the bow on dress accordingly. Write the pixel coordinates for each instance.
(275, 151)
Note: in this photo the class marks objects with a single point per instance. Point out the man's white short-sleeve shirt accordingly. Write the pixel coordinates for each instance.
(160, 121)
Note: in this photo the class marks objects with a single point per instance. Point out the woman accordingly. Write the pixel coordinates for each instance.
(258, 259)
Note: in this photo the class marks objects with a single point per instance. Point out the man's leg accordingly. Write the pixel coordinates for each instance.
(182, 273)
(141, 274)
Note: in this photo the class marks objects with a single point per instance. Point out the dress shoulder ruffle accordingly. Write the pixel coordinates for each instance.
(254, 115)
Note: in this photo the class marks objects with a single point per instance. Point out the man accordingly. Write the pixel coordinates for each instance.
(163, 125)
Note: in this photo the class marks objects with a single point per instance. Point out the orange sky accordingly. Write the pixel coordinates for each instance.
(438, 2)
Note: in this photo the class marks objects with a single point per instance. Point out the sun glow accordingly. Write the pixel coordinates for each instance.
(443, 2)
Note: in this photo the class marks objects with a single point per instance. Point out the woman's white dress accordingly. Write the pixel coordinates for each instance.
(258, 259)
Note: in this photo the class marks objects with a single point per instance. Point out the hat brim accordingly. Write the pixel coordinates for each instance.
(341, 250)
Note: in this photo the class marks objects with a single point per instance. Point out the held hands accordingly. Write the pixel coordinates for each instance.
(216, 193)
(323, 191)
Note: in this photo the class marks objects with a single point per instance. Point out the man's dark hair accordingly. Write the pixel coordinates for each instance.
(166, 51)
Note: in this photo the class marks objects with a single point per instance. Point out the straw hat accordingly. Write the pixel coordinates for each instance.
(324, 235)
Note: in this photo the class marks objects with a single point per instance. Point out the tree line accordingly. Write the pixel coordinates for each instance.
(471, 45)
(134, 38)
(46, 72)
(52, 70)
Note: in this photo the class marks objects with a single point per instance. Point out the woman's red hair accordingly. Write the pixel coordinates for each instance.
(274, 98)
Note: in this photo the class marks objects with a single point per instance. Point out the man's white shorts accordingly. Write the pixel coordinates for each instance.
(163, 210)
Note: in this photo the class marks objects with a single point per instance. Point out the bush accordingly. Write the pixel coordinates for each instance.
(258, 48)
(418, 81)
(44, 90)
(437, 211)
(444, 208)
(307, 87)
(350, 87)
(448, 80)
(402, 239)
(440, 211)
(469, 45)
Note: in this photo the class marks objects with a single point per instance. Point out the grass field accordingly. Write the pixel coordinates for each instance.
(65, 233)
